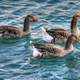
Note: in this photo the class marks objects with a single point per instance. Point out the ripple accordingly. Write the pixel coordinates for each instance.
(15, 54)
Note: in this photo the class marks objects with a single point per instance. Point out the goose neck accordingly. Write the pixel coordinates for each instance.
(26, 24)
(69, 43)
(73, 24)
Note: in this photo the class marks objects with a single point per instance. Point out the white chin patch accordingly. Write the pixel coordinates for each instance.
(36, 53)
(45, 36)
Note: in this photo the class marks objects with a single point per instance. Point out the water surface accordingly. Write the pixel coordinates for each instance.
(15, 63)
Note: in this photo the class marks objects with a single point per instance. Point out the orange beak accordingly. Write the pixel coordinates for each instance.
(34, 18)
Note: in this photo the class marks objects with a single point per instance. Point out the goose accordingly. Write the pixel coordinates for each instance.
(60, 35)
(7, 31)
(49, 50)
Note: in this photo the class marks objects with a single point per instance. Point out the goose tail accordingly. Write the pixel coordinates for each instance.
(36, 53)
(43, 29)
(46, 37)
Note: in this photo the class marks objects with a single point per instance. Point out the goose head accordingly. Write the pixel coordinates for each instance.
(74, 28)
(33, 18)
(77, 15)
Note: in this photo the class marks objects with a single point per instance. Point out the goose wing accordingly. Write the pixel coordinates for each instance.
(55, 32)
(10, 29)
(59, 35)
(48, 50)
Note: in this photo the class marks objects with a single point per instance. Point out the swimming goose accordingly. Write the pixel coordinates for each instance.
(60, 35)
(13, 32)
(50, 50)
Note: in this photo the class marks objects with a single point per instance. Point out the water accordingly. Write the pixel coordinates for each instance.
(15, 62)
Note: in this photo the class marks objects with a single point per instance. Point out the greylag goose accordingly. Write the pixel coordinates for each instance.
(50, 50)
(13, 32)
(60, 35)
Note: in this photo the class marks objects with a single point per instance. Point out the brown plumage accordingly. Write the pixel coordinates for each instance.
(50, 50)
(13, 32)
(60, 35)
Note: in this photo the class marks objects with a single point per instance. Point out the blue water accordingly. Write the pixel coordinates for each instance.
(15, 62)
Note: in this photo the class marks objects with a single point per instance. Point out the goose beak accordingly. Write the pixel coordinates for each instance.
(78, 17)
(34, 18)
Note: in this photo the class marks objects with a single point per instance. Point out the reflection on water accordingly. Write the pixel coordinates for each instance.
(15, 62)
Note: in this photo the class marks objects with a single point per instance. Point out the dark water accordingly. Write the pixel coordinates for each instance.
(15, 63)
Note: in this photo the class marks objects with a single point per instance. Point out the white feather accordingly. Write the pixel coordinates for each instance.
(36, 53)
(45, 36)
(0, 35)
(43, 29)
